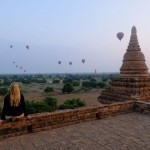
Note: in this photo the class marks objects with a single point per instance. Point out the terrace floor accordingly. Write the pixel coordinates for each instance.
(129, 131)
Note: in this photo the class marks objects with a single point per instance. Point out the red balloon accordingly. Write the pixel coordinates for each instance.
(120, 35)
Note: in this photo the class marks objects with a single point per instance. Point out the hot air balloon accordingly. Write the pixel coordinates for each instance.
(11, 46)
(20, 68)
(59, 62)
(27, 46)
(70, 63)
(13, 62)
(120, 35)
(83, 60)
(16, 66)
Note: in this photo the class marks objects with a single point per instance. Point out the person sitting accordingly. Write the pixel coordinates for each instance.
(14, 107)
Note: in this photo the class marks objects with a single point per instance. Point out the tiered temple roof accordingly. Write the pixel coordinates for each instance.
(134, 61)
(133, 82)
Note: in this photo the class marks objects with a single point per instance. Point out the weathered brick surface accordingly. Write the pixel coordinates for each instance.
(130, 131)
(142, 107)
(44, 121)
(47, 121)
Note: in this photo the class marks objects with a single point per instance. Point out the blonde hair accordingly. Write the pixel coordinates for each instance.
(14, 94)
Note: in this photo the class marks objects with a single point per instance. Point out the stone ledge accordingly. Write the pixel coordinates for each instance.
(45, 121)
(142, 107)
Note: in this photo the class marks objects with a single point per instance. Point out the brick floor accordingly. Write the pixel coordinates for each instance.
(123, 132)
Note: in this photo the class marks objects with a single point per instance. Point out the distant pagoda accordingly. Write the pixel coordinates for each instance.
(133, 82)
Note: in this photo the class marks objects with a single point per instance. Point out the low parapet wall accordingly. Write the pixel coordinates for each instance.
(142, 107)
(45, 121)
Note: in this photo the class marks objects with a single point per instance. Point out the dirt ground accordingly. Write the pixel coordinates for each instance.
(35, 92)
(90, 98)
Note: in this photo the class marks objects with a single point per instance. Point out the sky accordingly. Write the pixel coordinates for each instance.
(70, 30)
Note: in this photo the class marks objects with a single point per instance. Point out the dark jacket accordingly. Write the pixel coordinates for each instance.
(11, 110)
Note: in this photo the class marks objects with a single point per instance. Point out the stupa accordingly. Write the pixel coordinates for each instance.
(133, 82)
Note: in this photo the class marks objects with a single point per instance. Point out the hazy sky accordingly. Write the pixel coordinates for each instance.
(70, 30)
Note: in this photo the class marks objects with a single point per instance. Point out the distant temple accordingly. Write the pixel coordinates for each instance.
(133, 82)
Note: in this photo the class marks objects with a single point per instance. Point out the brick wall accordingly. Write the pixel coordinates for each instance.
(45, 121)
(142, 107)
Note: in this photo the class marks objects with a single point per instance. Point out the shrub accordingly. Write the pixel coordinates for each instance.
(93, 84)
(101, 84)
(56, 80)
(75, 83)
(67, 80)
(51, 102)
(86, 89)
(36, 107)
(72, 103)
(48, 89)
(48, 105)
(93, 80)
(7, 82)
(89, 84)
(3, 91)
(104, 79)
(86, 84)
(67, 88)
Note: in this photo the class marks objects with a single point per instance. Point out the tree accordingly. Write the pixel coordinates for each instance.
(67, 88)
(89, 84)
(72, 103)
(86, 84)
(75, 83)
(56, 80)
(3, 91)
(48, 89)
(101, 84)
(67, 80)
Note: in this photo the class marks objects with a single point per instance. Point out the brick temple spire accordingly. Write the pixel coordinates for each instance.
(133, 43)
(133, 82)
(134, 60)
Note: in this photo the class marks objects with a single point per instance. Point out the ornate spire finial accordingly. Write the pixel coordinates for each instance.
(133, 30)
(133, 43)
(134, 61)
